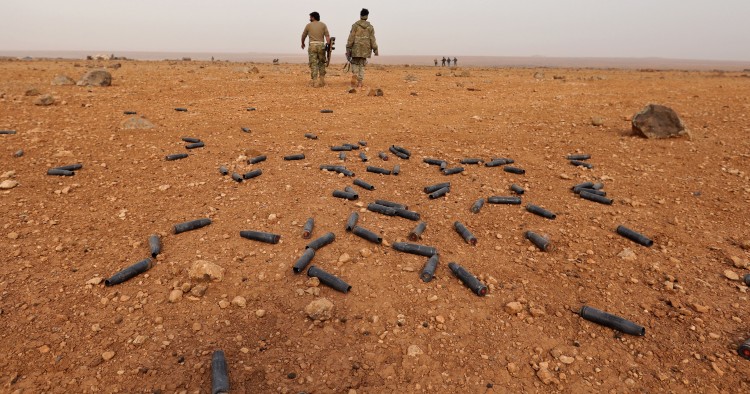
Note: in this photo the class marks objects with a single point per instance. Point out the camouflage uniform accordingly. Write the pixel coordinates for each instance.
(316, 52)
(360, 44)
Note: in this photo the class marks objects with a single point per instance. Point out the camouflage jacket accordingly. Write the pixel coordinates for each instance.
(361, 40)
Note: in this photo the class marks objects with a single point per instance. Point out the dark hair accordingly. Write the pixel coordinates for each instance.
(364, 12)
(315, 15)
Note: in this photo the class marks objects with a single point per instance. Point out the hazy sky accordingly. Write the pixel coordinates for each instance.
(686, 29)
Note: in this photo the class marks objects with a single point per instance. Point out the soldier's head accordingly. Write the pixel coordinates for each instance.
(314, 16)
(364, 13)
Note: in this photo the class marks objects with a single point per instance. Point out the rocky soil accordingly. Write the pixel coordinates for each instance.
(64, 331)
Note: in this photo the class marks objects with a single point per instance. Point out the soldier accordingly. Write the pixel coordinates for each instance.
(455, 61)
(359, 45)
(435, 62)
(449, 61)
(317, 30)
(443, 61)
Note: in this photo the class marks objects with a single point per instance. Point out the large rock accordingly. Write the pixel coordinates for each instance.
(136, 123)
(320, 309)
(658, 121)
(206, 270)
(96, 78)
(62, 80)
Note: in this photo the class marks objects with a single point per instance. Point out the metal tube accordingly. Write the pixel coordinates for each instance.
(398, 153)
(364, 184)
(465, 233)
(516, 189)
(378, 170)
(57, 171)
(612, 321)
(353, 146)
(7, 132)
(176, 156)
(180, 109)
(311, 136)
(70, 167)
(746, 279)
(579, 163)
(439, 193)
(307, 229)
(422, 250)
(454, 170)
(129, 272)
(256, 159)
(350, 189)
(367, 234)
(329, 280)
(504, 200)
(195, 145)
(501, 161)
(428, 271)
(341, 148)
(396, 169)
(326, 111)
(436, 187)
(416, 233)
(352, 221)
(191, 225)
(252, 174)
(303, 261)
(598, 186)
(514, 170)
(434, 162)
(154, 244)
(744, 350)
(402, 150)
(537, 210)
(130, 113)
(578, 157)
(237, 177)
(391, 204)
(382, 209)
(595, 197)
(540, 242)
(634, 236)
(321, 241)
(592, 191)
(261, 236)
(223, 170)
(345, 195)
(584, 185)
(477, 206)
(363, 156)
(191, 140)
(219, 375)
(407, 214)
(468, 279)
(298, 156)
(471, 161)
(383, 156)
(363, 143)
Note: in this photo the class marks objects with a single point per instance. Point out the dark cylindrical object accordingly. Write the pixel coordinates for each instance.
(436, 187)
(428, 271)
(537, 210)
(219, 375)
(434, 162)
(154, 244)
(346, 195)
(507, 159)
(422, 250)
(245, 129)
(454, 170)
(261, 236)
(329, 280)
(746, 279)
(18, 153)
(341, 148)
(407, 214)
(7, 132)
(252, 174)
(396, 170)
(477, 206)
(516, 189)
(584, 185)
(634, 236)
(176, 156)
(299, 156)
(391, 204)
(514, 170)
(311, 136)
(402, 150)
(383, 156)
(592, 191)
(497, 162)
(468, 279)
(179, 109)
(611, 321)
(598, 186)
(364, 184)
(191, 140)
(223, 170)
(471, 161)
(57, 171)
(326, 111)
(237, 177)
(352, 221)
(378, 170)
(307, 229)
(363, 143)
(321, 241)
(303, 261)
(398, 153)
(256, 159)
(382, 209)
(353, 146)
(70, 167)
(129, 272)
(465, 233)
(362, 156)
(579, 163)
(191, 225)
(595, 197)
(130, 113)
(367, 234)
(540, 242)
(251, 108)
(439, 193)
(504, 200)
(350, 189)
(417, 232)
(579, 157)
(744, 350)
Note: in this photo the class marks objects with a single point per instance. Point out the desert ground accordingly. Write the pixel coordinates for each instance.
(64, 331)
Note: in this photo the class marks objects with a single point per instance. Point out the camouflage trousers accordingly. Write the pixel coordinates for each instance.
(358, 67)
(317, 54)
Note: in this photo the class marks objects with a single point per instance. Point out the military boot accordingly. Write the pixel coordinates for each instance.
(353, 84)
(322, 81)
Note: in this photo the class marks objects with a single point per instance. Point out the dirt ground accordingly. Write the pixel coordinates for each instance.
(62, 330)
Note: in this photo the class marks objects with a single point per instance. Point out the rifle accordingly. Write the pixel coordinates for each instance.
(329, 48)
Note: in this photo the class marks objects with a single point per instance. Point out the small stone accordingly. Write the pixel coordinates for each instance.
(567, 360)
(95, 281)
(597, 121)
(205, 271)
(45, 100)
(512, 368)
(8, 184)
(513, 308)
(96, 78)
(139, 340)
(738, 262)
(175, 295)
(700, 308)
(136, 123)
(260, 313)
(224, 304)
(414, 351)
(199, 290)
(565, 176)
(440, 319)
(544, 374)
(108, 355)
(320, 309)
(61, 80)
(13, 235)
(717, 369)
(745, 244)
(272, 217)
(627, 254)
(365, 253)
(344, 258)
(375, 92)
(731, 275)
(197, 326)
(43, 349)
(239, 301)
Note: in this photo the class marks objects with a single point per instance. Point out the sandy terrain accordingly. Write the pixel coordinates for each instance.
(64, 331)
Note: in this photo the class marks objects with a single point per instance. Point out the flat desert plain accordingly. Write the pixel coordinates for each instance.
(64, 331)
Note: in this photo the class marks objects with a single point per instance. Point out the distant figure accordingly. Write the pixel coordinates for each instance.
(212, 58)
(359, 46)
(317, 30)
(449, 61)
(455, 61)
(435, 62)
(443, 61)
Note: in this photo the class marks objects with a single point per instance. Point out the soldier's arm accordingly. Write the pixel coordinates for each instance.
(328, 35)
(373, 43)
(304, 35)
(350, 40)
